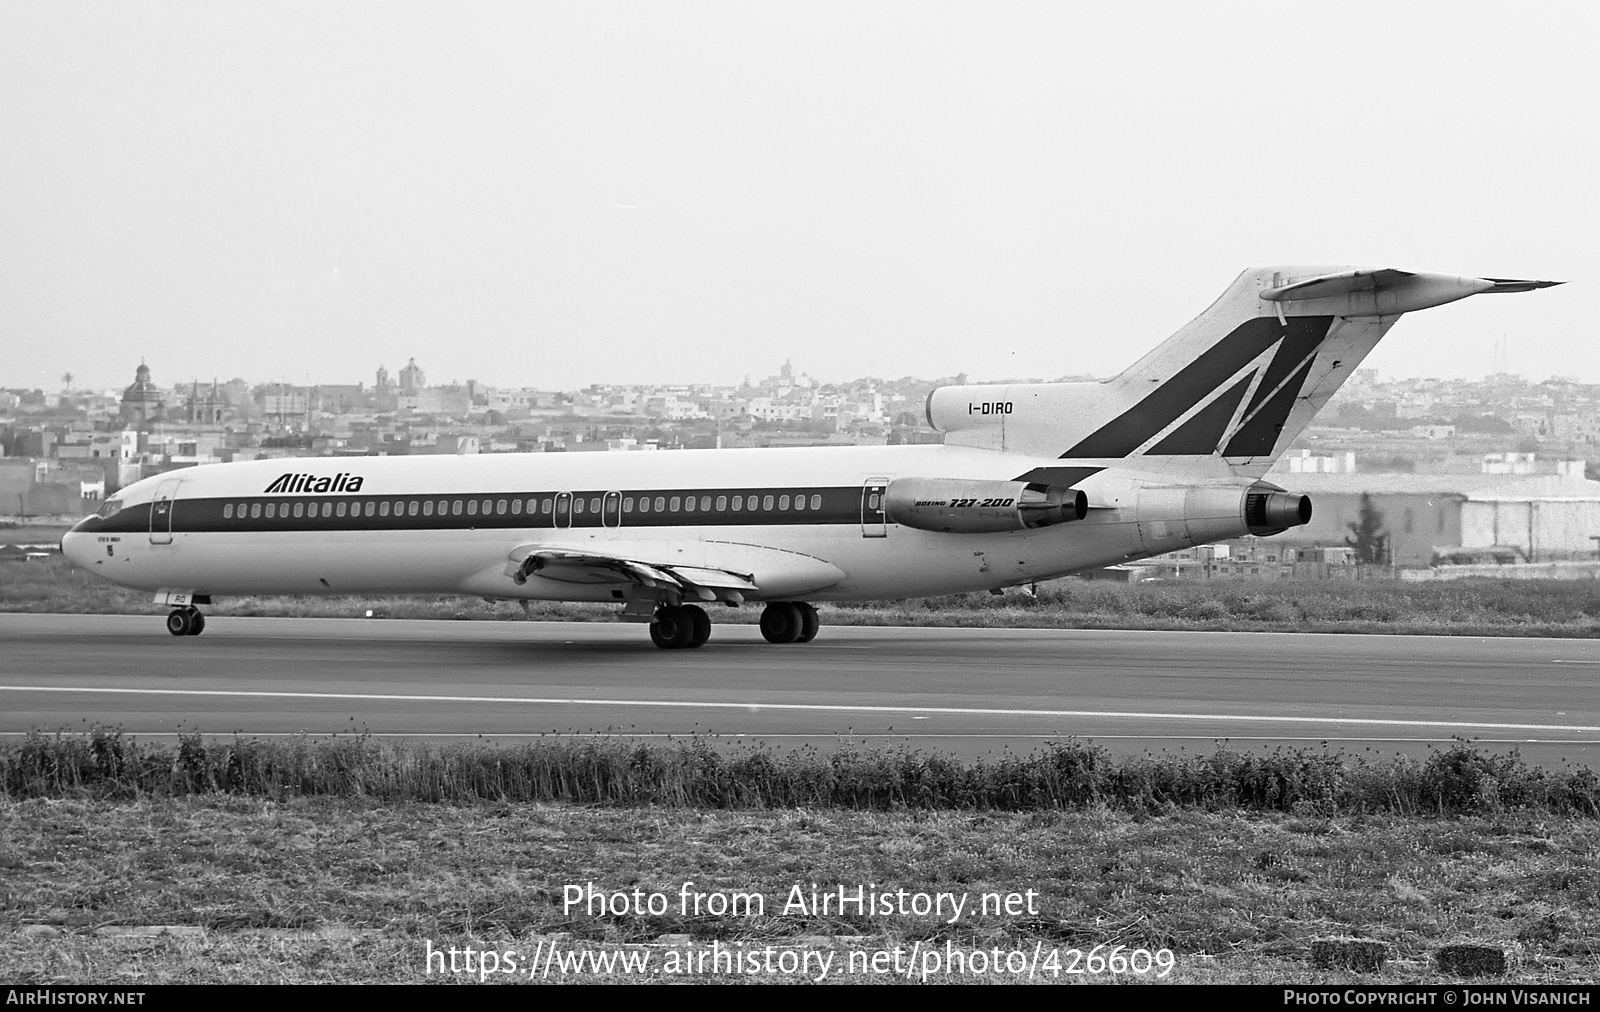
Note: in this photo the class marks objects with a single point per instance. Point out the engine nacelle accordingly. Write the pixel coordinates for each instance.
(963, 506)
(1271, 512)
(1175, 516)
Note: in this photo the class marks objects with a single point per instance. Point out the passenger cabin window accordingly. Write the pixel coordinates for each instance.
(372, 508)
(472, 507)
(722, 503)
(544, 507)
(299, 509)
(661, 504)
(500, 508)
(627, 504)
(766, 503)
(816, 502)
(339, 509)
(455, 508)
(688, 504)
(705, 503)
(255, 511)
(783, 502)
(577, 505)
(738, 503)
(227, 512)
(676, 501)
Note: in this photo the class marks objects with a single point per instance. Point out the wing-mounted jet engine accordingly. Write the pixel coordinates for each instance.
(963, 506)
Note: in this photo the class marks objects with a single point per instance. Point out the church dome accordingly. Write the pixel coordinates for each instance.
(142, 400)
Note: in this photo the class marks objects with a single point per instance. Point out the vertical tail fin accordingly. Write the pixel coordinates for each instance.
(1239, 382)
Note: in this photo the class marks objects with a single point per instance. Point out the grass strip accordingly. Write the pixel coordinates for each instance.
(696, 773)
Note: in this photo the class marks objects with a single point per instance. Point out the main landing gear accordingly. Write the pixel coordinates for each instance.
(186, 622)
(789, 622)
(677, 627)
(681, 626)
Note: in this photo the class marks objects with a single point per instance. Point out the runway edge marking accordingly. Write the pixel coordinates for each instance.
(809, 707)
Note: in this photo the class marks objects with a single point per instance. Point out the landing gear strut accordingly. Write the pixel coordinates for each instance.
(186, 622)
(789, 622)
(681, 626)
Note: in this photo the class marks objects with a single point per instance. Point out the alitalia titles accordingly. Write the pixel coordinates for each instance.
(290, 484)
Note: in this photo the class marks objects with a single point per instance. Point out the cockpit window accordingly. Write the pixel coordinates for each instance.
(109, 508)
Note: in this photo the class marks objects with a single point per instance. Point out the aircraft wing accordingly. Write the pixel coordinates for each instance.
(568, 566)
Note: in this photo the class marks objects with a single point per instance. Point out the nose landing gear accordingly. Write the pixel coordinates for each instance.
(186, 622)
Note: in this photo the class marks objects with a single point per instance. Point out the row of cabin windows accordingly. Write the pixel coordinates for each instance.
(512, 507)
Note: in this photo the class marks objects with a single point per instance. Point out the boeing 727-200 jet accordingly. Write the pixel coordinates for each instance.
(1033, 481)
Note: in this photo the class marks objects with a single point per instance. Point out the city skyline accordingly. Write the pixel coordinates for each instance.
(752, 379)
(547, 196)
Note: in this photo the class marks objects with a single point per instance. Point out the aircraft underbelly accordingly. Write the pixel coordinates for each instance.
(818, 563)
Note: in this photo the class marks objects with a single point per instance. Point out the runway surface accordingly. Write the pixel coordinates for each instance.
(968, 690)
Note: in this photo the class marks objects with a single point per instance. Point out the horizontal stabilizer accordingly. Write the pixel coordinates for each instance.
(1514, 285)
(1342, 283)
(1407, 290)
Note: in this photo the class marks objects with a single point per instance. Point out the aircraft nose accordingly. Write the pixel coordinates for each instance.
(76, 546)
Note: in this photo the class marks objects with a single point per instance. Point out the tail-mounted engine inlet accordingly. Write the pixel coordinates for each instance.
(1269, 510)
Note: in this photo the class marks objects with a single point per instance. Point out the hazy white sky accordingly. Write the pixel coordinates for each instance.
(560, 194)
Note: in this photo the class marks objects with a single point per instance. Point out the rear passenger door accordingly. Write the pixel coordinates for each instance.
(874, 521)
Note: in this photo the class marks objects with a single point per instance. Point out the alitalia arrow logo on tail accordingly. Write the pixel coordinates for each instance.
(294, 483)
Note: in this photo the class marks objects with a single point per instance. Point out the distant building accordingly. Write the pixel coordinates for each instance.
(412, 378)
(1433, 431)
(142, 400)
(31, 487)
(207, 408)
(1511, 463)
(1544, 517)
(1304, 462)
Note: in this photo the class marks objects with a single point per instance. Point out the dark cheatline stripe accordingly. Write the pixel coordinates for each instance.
(1066, 477)
(838, 505)
(1201, 435)
(1305, 334)
(1168, 402)
(1257, 436)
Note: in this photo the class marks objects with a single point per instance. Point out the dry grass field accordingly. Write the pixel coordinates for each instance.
(342, 890)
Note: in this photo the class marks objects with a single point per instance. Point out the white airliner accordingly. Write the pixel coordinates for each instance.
(1033, 481)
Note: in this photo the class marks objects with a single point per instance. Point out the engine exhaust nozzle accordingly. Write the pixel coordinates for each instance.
(1271, 512)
